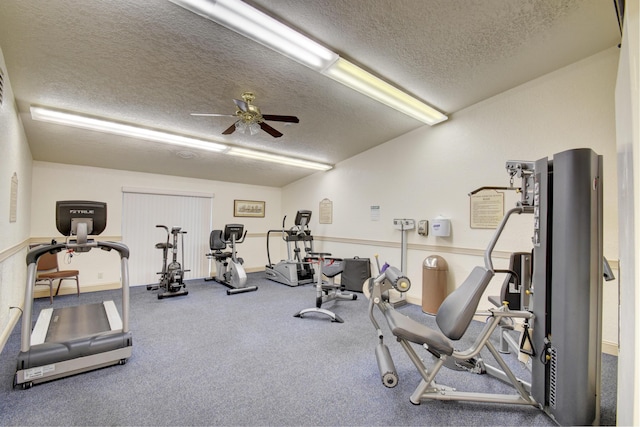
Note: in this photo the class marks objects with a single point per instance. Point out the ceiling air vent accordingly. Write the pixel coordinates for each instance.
(1, 86)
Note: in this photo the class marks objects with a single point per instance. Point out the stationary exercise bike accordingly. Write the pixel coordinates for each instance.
(229, 269)
(172, 274)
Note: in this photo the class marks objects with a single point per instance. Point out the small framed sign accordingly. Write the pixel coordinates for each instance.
(486, 209)
(248, 208)
(326, 212)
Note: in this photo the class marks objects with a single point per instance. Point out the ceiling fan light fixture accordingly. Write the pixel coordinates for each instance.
(241, 126)
(274, 158)
(260, 27)
(366, 83)
(254, 128)
(122, 129)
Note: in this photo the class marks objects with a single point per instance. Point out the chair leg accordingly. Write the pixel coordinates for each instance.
(70, 278)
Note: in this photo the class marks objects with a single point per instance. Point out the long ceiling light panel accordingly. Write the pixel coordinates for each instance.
(106, 126)
(268, 157)
(255, 25)
(122, 129)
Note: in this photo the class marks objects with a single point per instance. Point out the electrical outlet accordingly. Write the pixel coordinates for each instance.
(99, 275)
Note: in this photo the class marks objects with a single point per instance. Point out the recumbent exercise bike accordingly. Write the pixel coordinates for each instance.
(229, 269)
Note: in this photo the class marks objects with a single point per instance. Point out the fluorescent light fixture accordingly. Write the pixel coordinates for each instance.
(106, 126)
(102, 125)
(364, 82)
(258, 155)
(257, 26)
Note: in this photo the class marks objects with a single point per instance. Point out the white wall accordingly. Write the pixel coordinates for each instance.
(53, 182)
(15, 157)
(430, 171)
(628, 141)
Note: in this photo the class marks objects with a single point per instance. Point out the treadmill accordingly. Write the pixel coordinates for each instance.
(72, 340)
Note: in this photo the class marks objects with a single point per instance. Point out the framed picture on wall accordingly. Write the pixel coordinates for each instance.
(248, 208)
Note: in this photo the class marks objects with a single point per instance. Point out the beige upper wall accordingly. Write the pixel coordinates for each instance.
(430, 171)
(15, 158)
(54, 181)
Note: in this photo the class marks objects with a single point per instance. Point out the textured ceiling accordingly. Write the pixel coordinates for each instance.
(152, 63)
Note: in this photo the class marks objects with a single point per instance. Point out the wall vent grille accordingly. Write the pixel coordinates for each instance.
(1, 86)
(553, 376)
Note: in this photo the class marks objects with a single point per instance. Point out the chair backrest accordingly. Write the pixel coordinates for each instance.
(216, 243)
(457, 310)
(48, 261)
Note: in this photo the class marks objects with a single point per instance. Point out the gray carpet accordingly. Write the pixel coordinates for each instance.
(212, 359)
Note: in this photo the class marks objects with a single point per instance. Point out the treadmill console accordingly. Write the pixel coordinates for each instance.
(70, 213)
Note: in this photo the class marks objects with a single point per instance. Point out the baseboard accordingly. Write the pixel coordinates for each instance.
(609, 347)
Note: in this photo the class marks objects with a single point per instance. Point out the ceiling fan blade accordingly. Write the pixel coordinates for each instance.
(212, 115)
(230, 129)
(276, 118)
(241, 104)
(271, 131)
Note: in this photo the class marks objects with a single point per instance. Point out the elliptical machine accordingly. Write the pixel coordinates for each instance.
(229, 269)
(295, 270)
(172, 274)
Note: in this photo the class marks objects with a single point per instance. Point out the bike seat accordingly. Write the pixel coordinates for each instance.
(164, 245)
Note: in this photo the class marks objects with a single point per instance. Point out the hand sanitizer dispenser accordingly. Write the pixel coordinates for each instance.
(441, 227)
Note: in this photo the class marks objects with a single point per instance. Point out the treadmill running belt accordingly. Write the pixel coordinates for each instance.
(69, 323)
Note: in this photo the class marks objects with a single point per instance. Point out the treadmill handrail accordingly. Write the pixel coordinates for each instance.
(32, 260)
(34, 254)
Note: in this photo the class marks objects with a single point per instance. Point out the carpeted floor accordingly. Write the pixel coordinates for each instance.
(212, 359)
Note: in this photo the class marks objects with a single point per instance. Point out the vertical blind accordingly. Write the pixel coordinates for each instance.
(143, 210)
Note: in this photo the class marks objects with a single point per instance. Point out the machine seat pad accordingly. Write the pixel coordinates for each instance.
(332, 269)
(495, 300)
(406, 328)
(163, 245)
(222, 255)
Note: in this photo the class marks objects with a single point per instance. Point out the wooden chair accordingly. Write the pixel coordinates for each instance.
(48, 271)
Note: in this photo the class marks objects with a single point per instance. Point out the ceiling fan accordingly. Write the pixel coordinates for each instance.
(250, 119)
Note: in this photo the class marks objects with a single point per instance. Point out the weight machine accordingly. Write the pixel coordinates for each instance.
(229, 269)
(172, 274)
(564, 195)
(327, 291)
(295, 270)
